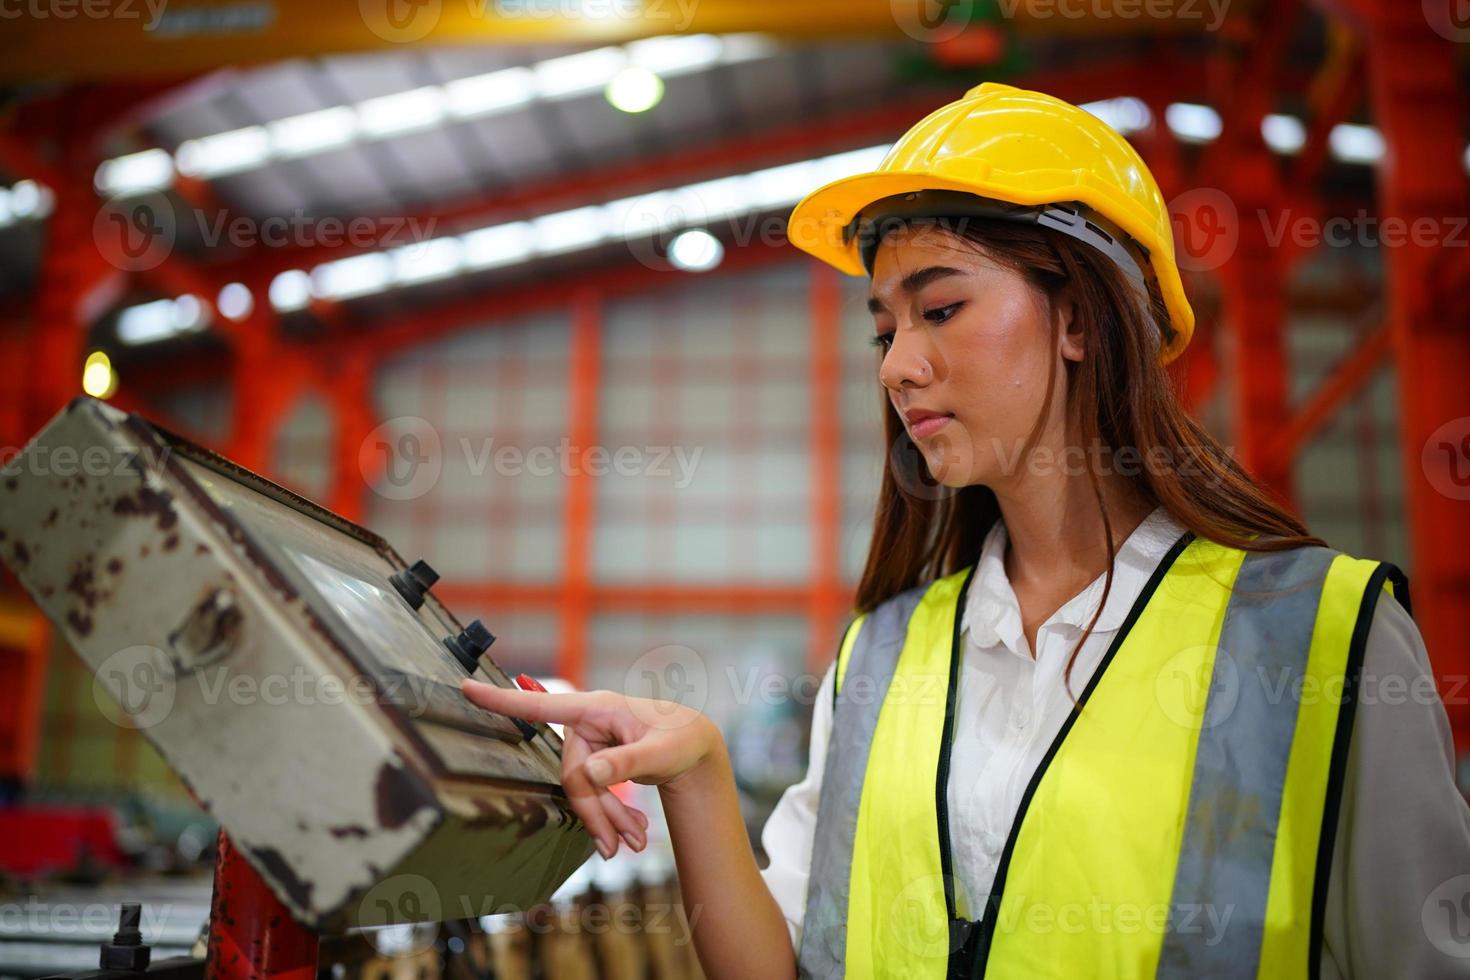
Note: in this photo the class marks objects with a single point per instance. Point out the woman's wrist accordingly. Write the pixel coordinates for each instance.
(712, 767)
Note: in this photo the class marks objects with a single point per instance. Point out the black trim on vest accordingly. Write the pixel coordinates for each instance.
(1400, 586)
(1341, 741)
(941, 781)
(972, 958)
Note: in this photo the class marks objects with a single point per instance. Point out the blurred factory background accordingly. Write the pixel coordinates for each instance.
(505, 281)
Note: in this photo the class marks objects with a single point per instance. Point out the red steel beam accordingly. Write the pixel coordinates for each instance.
(824, 361)
(1419, 105)
(1254, 276)
(349, 393)
(1344, 381)
(584, 383)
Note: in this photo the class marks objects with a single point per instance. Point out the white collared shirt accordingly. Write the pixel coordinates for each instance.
(1008, 710)
(1403, 827)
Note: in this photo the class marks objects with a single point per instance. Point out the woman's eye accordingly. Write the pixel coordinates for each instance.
(941, 313)
(882, 341)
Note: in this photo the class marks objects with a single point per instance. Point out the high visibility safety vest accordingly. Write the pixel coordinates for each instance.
(1181, 823)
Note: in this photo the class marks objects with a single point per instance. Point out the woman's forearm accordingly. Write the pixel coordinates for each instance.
(738, 929)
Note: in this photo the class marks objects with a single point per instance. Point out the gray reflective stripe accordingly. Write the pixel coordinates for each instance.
(1240, 766)
(871, 664)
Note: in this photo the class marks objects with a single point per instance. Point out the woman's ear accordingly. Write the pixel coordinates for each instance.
(1069, 340)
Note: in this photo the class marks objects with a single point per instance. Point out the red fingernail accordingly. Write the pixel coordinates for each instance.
(529, 683)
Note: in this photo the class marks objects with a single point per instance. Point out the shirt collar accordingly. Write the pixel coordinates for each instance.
(993, 615)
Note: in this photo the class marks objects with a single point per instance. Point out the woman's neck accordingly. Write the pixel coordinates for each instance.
(1056, 531)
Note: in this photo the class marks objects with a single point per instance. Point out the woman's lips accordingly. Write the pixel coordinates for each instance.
(924, 428)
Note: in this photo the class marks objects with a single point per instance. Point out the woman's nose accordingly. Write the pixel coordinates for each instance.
(905, 365)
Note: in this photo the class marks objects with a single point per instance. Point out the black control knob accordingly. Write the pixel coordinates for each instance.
(414, 581)
(471, 642)
(127, 950)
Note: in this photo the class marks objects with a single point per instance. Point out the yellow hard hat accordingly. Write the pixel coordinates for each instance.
(1029, 156)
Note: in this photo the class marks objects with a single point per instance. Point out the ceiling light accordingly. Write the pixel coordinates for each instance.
(355, 276)
(499, 245)
(235, 301)
(98, 378)
(291, 290)
(1356, 144)
(161, 319)
(135, 173)
(634, 89)
(424, 261)
(695, 251)
(1194, 123)
(402, 112)
(496, 91)
(576, 74)
(313, 132)
(224, 153)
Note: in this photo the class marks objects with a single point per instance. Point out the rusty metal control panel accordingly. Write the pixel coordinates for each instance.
(294, 670)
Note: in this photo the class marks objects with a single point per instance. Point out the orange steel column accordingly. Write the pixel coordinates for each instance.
(828, 598)
(1418, 104)
(585, 370)
(353, 418)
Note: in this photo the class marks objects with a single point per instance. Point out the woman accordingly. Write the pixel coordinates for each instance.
(1093, 717)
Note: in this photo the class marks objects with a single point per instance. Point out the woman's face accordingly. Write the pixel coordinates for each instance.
(967, 353)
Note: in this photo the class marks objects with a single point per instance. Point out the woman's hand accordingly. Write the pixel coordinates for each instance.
(609, 738)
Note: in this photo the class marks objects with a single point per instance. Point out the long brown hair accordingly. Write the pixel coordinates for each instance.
(1119, 396)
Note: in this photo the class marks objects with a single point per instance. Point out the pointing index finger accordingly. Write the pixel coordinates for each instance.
(563, 709)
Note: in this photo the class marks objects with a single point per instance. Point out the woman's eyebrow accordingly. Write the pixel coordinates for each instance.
(915, 281)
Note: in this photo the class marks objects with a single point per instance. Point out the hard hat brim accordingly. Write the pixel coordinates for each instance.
(818, 221)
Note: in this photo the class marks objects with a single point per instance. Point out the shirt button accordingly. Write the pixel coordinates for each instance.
(1020, 718)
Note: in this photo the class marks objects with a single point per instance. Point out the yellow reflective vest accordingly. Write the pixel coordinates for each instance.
(1180, 824)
